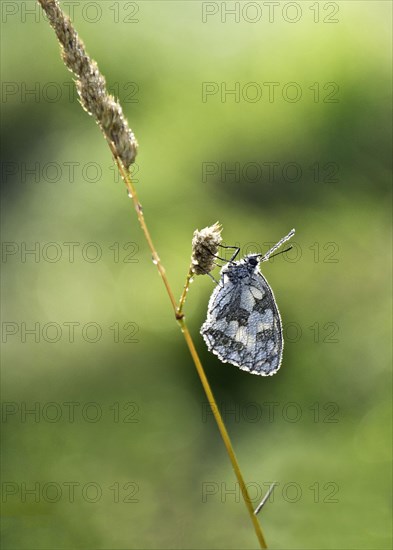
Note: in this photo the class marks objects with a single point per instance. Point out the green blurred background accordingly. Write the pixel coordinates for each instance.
(148, 467)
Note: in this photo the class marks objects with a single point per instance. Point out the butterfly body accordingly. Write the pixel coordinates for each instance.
(243, 325)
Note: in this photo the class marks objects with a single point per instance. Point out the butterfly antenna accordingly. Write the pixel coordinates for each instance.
(277, 245)
(281, 252)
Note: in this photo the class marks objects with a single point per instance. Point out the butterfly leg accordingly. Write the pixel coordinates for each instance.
(236, 248)
(218, 257)
(211, 277)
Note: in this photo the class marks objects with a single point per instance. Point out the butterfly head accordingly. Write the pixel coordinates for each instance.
(252, 260)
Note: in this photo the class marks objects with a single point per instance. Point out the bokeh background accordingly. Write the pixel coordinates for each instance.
(120, 452)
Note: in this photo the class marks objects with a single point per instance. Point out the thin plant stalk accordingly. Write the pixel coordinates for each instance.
(139, 211)
(109, 116)
(179, 311)
(223, 432)
(190, 343)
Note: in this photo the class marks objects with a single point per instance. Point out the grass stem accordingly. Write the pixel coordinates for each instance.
(108, 113)
(189, 341)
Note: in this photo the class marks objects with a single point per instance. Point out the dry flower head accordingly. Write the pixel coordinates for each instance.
(91, 85)
(204, 248)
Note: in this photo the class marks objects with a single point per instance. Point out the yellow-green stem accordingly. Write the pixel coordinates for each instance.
(82, 66)
(198, 365)
(183, 296)
(223, 432)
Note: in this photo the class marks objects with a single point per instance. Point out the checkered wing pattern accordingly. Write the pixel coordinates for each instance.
(243, 325)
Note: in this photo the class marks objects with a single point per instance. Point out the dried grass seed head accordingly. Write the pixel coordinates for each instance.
(91, 85)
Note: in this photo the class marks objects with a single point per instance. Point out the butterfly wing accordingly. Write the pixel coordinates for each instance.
(243, 325)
